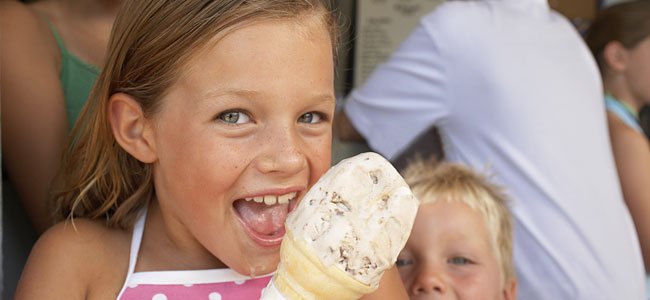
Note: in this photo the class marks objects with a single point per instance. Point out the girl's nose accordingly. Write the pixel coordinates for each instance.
(282, 154)
(430, 283)
(288, 161)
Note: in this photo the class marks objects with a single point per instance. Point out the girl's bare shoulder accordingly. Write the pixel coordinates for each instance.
(76, 260)
(25, 24)
(91, 238)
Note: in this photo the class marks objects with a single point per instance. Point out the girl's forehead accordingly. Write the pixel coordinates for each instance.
(309, 27)
(266, 59)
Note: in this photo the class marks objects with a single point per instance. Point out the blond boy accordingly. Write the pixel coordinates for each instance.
(461, 243)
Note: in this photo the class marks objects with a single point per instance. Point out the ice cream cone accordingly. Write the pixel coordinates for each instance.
(347, 230)
(302, 276)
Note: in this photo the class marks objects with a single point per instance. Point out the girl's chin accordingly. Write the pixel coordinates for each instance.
(258, 267)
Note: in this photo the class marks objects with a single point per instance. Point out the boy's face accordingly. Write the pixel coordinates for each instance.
(249, 119)
(449, 256)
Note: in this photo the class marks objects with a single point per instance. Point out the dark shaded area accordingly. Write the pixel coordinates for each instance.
(644, 119)
(424, 146)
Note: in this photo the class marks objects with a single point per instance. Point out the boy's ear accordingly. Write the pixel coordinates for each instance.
(130, 127)
(510, 290)
(615, 56)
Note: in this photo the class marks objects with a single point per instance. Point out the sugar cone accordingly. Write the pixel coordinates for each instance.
(301, 276)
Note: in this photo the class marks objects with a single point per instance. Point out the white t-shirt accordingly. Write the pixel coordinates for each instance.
(515, 92)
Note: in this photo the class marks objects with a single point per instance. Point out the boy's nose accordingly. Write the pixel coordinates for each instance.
(429, 283)
(282, 153)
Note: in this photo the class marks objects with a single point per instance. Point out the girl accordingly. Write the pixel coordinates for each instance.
(619, 38)
(209, 122)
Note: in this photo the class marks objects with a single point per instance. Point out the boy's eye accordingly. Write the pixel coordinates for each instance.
(459, 260)
(403, 262)
(234, 117)
(311, 118)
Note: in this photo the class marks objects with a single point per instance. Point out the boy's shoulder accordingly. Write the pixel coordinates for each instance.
(77, 259)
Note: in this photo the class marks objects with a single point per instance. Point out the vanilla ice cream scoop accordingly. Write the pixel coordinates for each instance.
(347, 230)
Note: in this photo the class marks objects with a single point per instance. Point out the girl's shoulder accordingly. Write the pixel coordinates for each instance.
(619, 129)
(28, 25)
(28, 54)
(78, 259)
(91, 238)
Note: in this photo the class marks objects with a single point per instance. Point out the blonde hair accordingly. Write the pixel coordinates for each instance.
(433, 181)
(150, 42)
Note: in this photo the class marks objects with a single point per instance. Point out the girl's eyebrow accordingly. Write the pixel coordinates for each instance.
(246, 93)
(218, 92)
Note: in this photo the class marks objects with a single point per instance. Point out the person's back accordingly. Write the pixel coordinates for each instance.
(512, 87)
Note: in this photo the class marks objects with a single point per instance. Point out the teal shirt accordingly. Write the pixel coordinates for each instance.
(77, 79)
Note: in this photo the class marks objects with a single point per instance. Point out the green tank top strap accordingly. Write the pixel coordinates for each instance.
(77, 78)
(59, 40)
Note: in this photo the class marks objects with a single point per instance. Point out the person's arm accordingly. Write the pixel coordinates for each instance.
(34, 124)
(390, 287)
(632, 154)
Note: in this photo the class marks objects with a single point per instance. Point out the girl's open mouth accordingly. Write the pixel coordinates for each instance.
(263, 217)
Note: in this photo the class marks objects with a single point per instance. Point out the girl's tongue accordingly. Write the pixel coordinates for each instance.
(262, 218)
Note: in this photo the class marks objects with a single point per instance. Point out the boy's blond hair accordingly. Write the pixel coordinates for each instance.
(433, 181)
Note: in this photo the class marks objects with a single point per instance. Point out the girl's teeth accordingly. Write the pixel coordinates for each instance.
(270, 199)
(284, 199)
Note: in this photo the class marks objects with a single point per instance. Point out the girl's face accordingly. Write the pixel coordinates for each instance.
(638, 71)
(449, 256)
(241, 136)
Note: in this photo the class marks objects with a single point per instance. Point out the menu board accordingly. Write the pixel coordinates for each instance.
(382, 25)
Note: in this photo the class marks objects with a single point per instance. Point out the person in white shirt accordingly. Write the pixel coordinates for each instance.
(513, 89)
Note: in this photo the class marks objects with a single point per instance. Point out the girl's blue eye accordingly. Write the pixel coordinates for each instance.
(311, 118)
(234, 117)
(403, 262)
(459, 260)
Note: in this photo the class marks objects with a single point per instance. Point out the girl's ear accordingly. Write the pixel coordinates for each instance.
(130, 127)
(510, 290)
(615, 56)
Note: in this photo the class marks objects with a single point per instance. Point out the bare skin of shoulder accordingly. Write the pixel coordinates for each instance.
(34, 121)
(33, 113)
(76, 260)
